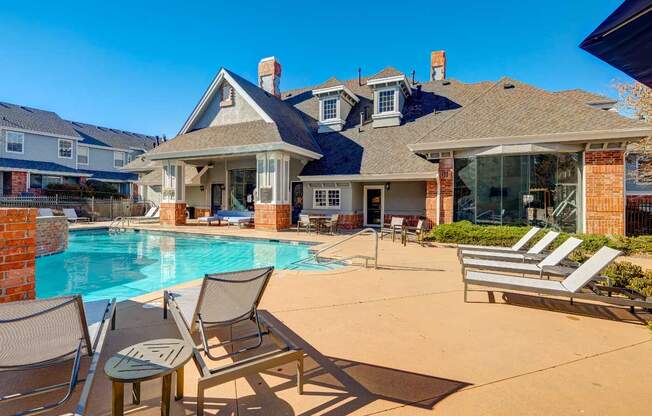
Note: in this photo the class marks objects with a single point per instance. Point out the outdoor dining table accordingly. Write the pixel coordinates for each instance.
(318, 221)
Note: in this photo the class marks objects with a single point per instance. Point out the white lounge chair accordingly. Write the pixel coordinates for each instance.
(222, 300)
(548, 266)
(47, 332)
(570, 287)
(516, 247)
(71, 215)
(45, 212)
(533, 254)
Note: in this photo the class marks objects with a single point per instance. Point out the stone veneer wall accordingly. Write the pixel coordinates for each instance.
(604, 174)
(445, 191)
(173, 213)
(272, 217)
(17, 253)
(51, 235)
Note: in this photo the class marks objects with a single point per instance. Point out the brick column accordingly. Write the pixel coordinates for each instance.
(17, 253)
(273, 217)
(446, 191)
(173, 213)
(604, 188)
(18, 183)
(431, 203)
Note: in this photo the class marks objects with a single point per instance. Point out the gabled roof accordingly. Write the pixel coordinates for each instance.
(104, 136)
(13, 116)
(512, 111)
(586, 96)
(386, 73)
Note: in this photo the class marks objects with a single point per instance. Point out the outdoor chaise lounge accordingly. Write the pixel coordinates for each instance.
(533, 254)
(570, 287)
(550, 265)
(516, 247)
(223, 300)
(230, 217)
(71, 215)
(47, 332)
(45, 212)
(152, 215)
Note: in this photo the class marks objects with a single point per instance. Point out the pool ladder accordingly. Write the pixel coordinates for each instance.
(317, 257)
(119, 225)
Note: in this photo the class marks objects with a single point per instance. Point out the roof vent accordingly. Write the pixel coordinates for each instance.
(508, 86)
(446, 83)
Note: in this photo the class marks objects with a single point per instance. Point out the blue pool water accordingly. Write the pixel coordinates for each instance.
(102, 265)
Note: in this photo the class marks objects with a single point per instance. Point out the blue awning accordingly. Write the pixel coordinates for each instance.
(110, 176)
(624, 40)
(38, 167)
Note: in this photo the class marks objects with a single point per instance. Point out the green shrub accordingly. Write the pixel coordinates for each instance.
(623, 272)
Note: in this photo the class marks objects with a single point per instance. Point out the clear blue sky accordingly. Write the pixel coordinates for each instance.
(142, 66)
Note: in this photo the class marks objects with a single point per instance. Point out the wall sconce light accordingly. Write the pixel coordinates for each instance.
(201, 188)
(387, 186)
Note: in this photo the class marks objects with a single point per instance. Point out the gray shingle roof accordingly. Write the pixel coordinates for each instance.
(523, 110)
(28, 118)
(104, 136)
(386, 73)
(586, 96)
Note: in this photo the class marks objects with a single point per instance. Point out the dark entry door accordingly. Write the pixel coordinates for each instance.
(216, 197)
(374, 207)
(297, 200)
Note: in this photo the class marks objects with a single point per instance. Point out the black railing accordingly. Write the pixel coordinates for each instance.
(638, 218)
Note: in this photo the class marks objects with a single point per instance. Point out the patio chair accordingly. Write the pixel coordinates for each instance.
(45, 212)
(550, 265)
(331, 224)
(516, 247)
(417, 233)
(570, 287)
(47, 332)
(394, 228)
(222, 300)
(304, 222)
(533, 254)
(71, 215)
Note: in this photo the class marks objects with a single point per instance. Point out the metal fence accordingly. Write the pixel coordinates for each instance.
(98, 209)
(638, 218)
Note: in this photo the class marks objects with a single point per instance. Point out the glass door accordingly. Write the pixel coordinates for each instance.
(373, 213)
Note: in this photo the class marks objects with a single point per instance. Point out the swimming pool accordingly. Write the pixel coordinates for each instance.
(99, 264)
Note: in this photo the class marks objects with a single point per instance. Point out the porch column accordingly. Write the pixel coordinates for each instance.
(445, 179)
(604, 190)
(272, 205)
(431, 203)
(173, 205)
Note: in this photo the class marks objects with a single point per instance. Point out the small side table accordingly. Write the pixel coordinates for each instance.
(147, 361)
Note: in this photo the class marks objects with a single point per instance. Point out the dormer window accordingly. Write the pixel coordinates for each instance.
(329, 109)
(386, 101)
(335, 103)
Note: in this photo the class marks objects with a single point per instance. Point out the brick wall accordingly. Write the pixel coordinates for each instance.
(272, 217)
(51, 235)
(604, 174)
(350, 221)
(446, 191)
(173, 213)
(17, 253)
(431, 203)
(410, 220)
(18, 183)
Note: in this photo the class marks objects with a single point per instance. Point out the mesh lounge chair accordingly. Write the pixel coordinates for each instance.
(304, 222)
(533, 254)
(394, 228)
(223, 300)
(46, 332)
(71, 215)
(332, 224)
(416, 233)
(548, 266)
(516, 247)
(45, 212)
(570, 287)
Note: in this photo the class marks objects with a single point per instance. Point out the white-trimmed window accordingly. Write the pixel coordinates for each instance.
(118, 159)
(329, 109)
(65, 149)
(15, 142)
(386, 101)
(324, 198)
(82, 155)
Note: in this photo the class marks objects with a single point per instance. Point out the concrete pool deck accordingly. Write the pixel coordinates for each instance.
(399, 340)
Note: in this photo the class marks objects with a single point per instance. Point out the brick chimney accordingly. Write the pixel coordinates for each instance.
(269, 75)
(437, 65)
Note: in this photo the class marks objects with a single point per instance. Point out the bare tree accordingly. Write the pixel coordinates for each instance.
(635, 100)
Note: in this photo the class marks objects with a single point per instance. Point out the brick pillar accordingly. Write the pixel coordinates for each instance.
(431, 203)
(446, 191)
(604, 188)
(18, 183)
(173, 213)
(17, 253)
(273, 217)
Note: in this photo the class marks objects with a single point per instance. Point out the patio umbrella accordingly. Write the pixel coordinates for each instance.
(624, 40)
